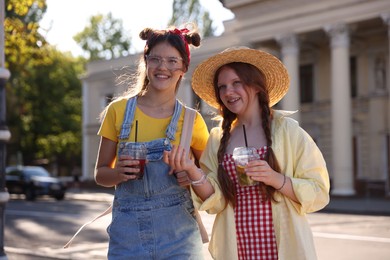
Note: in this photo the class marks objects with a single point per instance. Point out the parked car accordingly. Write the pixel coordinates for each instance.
(33, 181)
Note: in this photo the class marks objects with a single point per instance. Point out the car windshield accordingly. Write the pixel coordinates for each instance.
(36, 171)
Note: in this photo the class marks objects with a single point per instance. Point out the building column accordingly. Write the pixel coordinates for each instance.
(185, 92)
(342, 172)
(290, 57)
(85, 162)
(386, 20)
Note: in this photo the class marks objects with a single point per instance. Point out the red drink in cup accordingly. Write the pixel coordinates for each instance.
(137, 151)
(141, 167)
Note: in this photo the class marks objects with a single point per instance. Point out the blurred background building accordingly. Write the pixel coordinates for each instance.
(337, 55)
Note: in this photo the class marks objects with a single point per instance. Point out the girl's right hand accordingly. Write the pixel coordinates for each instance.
(126, 169)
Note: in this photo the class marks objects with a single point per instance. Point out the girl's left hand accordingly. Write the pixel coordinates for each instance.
(177, 159)
(259, 170)
(179, 162)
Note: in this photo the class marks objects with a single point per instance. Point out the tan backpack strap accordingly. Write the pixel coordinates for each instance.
(188, 125)
(185, 142)
(106, 212)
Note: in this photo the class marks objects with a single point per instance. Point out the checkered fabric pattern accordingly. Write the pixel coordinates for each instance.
(253, 216)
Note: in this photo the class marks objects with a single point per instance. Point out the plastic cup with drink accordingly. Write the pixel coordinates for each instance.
(242, 156)
(137, 151)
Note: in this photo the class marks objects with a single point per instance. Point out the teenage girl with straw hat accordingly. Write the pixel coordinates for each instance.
(266, 220)
(152, 217)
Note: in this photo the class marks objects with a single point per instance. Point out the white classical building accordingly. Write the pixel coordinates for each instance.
(337, 55)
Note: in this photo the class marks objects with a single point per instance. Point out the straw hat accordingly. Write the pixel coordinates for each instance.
(277, 79)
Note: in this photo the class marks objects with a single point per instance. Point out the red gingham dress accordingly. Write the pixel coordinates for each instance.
(253, 216)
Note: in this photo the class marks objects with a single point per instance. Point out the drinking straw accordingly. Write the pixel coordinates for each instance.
(246, 141)
(136, 130)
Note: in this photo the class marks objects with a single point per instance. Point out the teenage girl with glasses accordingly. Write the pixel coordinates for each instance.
(152, 217)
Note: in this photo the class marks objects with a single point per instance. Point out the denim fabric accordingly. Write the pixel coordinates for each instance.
(153, 218)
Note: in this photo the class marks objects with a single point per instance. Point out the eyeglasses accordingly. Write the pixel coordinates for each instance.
(171, 63)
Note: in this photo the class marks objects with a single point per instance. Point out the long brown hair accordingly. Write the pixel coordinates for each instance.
(254, 78)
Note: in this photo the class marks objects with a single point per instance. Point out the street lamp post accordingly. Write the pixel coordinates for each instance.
(5, 134)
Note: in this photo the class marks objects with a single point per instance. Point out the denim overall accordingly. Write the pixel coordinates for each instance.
(152, 218)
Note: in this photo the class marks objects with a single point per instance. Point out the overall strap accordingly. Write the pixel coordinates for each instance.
(128, 118)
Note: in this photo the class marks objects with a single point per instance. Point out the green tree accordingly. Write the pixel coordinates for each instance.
(184, 11)
(104, 38)
(44, 91)
(60, 137)
(22, 39)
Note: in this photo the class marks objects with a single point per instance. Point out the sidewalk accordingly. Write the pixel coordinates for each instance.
(346, 205)
(362, 206)
(367, 206)
(80, 251)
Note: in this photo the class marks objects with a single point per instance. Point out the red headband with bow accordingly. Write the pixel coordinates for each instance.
(182, 33)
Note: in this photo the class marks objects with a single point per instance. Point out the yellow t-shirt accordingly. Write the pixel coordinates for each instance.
(149, 128)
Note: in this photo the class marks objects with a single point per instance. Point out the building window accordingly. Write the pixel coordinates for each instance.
(306, 79)
(380, 73)
(353, 76)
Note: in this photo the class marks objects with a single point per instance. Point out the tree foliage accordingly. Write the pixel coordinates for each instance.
(43, 92)
(22, 39)
(104, 38)
(185, 11)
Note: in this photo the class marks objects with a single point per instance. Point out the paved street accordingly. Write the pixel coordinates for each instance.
(37, 230)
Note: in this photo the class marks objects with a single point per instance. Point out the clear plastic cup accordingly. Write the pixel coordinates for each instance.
(241, 157)
(137, 151)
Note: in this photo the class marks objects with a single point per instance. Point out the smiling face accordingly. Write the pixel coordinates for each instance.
(239, 98)
(161, 77)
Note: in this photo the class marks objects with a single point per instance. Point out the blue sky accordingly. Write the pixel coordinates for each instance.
(65, 18)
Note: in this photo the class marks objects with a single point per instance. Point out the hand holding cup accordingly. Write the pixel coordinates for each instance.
(133, 152)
